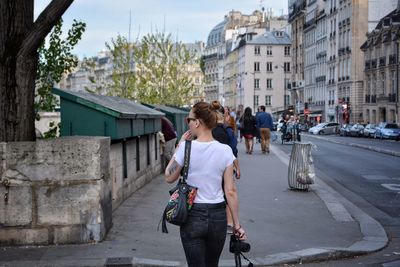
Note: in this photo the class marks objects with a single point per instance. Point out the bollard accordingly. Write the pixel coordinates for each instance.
(301, 168)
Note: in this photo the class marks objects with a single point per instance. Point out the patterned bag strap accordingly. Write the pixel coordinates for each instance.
(186, 160)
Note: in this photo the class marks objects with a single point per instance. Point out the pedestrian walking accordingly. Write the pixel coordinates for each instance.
(224, 133)
(264, 124)
(249, 129)
(167, 129)
(204, 233)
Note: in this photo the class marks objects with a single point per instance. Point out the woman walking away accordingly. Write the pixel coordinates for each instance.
(204, 233)
(249, 129)
(223, 132)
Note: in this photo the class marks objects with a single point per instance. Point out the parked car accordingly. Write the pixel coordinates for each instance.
(344, 130)
(387, 130)
(356, 130)
(325, 128)
(369, 130)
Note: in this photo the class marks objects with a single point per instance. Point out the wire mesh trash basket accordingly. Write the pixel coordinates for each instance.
(301, 167)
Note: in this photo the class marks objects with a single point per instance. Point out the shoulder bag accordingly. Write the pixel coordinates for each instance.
(181, 197)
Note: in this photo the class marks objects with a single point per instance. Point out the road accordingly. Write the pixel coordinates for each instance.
(369, 179)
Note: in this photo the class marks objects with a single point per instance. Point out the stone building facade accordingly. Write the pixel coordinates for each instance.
(332, 35)
(381, 73)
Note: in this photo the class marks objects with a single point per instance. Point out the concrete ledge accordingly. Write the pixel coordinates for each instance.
(15, 236)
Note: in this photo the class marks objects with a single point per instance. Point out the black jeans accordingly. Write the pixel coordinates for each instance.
(203, 235)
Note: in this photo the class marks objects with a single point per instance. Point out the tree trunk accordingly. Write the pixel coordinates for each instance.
(17, 74)
(20, 38)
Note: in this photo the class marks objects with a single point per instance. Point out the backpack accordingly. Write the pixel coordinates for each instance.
(220, 134)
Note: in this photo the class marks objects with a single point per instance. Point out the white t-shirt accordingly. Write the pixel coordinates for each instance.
(208, 161)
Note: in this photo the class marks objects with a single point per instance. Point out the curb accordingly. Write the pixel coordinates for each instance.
(376, 149)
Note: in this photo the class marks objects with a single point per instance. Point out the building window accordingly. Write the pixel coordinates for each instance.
(287, 100)
(269, 50)
(256, 50)
(257, 66)
(268, 100)
(256, 83)
(269, 66)
(256, 100)
(269, 83)
(287, 67)
(393, 78)
(287, 50)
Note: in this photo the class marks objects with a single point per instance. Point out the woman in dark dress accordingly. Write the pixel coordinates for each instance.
(249, 129)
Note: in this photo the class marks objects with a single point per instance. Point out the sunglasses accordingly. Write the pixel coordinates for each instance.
(188, 119)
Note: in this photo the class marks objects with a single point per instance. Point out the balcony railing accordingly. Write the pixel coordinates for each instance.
(382, 98)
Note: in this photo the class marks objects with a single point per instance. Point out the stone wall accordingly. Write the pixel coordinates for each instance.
(59, 191)
(142, 165)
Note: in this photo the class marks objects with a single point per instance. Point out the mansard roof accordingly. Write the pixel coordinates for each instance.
(272, 38)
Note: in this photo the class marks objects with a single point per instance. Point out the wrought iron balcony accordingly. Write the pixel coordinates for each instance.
(382, 98)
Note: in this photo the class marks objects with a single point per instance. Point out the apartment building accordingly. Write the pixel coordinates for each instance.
(332, 35)
(264, 70)
(297, 20)
(381, 73)
(215, 51)
(312, 100)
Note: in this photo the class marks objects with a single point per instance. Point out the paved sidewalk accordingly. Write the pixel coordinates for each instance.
(283, 226)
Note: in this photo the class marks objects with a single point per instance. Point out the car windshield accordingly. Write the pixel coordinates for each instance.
(392, 125)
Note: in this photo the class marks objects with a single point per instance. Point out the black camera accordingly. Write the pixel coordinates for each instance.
(237, 246)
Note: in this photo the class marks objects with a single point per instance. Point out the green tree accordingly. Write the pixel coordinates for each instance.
(55, 60)
(154, 70)
(123, 78)
(163, 70)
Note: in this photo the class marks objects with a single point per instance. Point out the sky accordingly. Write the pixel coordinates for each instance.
(187, 20)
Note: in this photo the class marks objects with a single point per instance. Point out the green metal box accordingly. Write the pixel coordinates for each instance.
(98, 115)
(175, 115)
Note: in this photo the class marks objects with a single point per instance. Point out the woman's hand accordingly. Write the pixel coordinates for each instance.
(186, 136)
(239, 232)
(236, 173)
